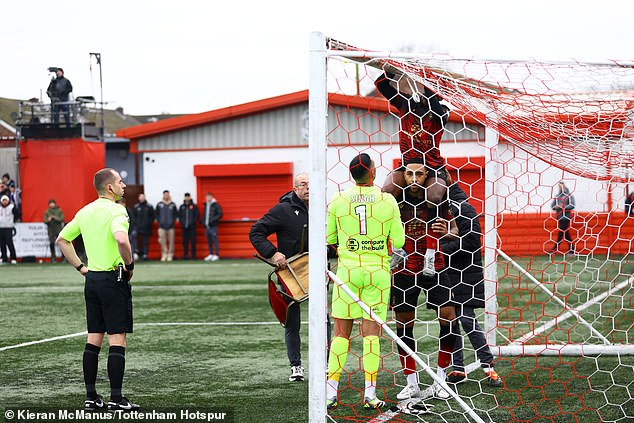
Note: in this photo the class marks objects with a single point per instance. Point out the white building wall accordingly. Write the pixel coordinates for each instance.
(526, 184)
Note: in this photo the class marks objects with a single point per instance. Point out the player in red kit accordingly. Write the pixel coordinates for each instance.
(409, 279)
(422, 122)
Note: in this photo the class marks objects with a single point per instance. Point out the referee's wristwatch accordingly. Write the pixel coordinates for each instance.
(129, 267)
(80, 266)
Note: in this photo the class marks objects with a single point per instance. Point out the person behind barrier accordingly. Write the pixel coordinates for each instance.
(54, 220)
(8, 213)
(104, 225)
(361, 221)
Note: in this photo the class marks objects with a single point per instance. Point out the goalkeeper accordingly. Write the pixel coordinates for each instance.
(409, 280)
(422, 122)
(361, 220)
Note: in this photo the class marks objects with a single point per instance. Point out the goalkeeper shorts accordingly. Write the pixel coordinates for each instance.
(407, 287)
(370, 283)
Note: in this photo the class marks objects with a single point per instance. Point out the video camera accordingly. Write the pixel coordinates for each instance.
(52, 69)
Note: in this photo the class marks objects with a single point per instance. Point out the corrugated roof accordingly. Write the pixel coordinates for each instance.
(260, 106)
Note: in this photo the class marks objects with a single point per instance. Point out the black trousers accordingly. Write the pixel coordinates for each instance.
(142, 243)
(476, 336)
(563, 227)
(189, 238)
(6, 242)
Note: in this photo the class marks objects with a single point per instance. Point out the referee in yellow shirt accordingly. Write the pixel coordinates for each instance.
(103, 225)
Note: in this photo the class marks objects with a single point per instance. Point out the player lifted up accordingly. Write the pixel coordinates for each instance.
(409, 279)
(361, 220)
(422, 122)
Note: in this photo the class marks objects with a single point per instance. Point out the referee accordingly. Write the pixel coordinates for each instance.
(103, 224)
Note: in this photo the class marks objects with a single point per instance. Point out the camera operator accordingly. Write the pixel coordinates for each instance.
(58, 91)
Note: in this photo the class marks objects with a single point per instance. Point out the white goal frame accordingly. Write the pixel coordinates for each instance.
(318, 113)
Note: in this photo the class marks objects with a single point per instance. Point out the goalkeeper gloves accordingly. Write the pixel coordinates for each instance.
(398, 258)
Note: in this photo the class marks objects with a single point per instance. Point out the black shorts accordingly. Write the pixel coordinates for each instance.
(406, 289)
(108, 303)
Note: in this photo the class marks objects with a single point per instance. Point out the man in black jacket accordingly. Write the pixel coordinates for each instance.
(289, 220)
(212, 213)
(144, 217)
(464, 268)
(58, 91)
(188, 216)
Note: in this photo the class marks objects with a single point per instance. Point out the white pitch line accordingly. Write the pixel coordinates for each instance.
(41, 341)
(73, 335)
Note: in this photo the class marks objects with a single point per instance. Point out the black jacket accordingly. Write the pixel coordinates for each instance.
(289, 220)
(59, 89)
(464, 257)
(629, 204)
(166, 214)
(188, 215)
(144, 217)
(215, 214)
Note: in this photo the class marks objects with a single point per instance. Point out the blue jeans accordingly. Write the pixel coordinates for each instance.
(211, 232)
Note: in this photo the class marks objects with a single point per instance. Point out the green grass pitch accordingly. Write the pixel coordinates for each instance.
(205, 338)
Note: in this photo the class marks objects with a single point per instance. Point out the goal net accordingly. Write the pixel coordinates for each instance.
(544, 152)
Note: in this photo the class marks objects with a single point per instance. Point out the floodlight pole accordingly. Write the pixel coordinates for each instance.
(317, 123)
(103, 128)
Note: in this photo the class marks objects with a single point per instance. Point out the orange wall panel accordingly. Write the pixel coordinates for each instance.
(61, 169)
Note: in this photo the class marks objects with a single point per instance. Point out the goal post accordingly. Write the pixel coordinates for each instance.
(522, 138)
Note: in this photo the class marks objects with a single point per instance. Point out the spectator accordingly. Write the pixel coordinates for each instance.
(15, 195)
(7, 228)
(563, 204)
(143, 218)
(212, 214)
(4, 189)
(58, 91)
(188, 215)
(629, 204)
(166, 214)
(6, 179)
(54, 220)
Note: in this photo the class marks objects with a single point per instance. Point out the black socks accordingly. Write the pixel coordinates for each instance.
(90, 364)
(116, 367)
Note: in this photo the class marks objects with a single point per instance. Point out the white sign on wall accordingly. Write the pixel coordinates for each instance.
(31, 239)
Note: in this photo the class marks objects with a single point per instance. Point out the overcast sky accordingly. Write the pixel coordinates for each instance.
(191, 56)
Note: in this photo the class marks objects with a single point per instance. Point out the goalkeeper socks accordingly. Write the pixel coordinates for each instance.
(447, 342)
(371, 360)
(406, 334)
(336, 362)
(116, 367)
(90, 365)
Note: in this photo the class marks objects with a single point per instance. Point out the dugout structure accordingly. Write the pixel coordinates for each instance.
(559, 324)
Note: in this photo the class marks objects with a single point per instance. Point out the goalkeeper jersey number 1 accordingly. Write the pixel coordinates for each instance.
(361, 220)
